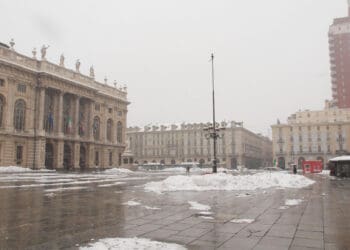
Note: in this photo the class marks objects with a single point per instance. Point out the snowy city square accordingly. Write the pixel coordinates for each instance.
(172, 209)
(175, 125)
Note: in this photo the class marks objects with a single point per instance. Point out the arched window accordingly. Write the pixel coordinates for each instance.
(119, 132)
(96, 128)
(2, 105)
(109, 129)
(19, 115)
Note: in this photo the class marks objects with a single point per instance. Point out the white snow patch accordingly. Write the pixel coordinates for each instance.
(112, 184)
(64, 189)
(131, 243)
(132, 203)
(207, 217)
(11, 169)
(243, 195)
(197, 206)
(229, 182)
(283, 207)
(325, 172)
(240, 221)
(50, 195)
(16, 169)
(151, 208)
(118, 171)
(205, 213)
(293, 202)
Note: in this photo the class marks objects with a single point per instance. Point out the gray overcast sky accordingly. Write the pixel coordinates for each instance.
(271, 56)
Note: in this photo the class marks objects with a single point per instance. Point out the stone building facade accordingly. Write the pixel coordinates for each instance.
(54, 117)
(312, 135)
(176, 143)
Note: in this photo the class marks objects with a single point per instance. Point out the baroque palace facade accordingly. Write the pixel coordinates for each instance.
(312, 135)
(54, 117)
(177, 143)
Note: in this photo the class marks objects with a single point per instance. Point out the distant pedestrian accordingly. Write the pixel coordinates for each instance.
(295, 169)
(187, 169)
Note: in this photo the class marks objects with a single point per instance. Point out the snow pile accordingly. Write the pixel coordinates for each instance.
(131, 243)
(293, 202)
(229, 182)
(197, 206)
(14, 169)
(118, 171)
(240, 221)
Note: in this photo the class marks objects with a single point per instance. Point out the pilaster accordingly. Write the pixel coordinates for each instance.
(60, 115)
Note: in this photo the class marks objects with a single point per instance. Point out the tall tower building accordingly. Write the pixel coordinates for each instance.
(339, 51)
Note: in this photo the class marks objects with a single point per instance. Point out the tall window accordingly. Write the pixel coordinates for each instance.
(19, 115)
(96, 128)
(119, 132)
(109, 129)
(2, 104)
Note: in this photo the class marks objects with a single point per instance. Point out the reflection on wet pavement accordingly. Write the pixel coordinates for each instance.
(65, 210)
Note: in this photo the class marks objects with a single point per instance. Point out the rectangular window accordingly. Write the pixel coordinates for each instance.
(110, 110)
(97, 107)
(21, 88)
(120, 113)
(2, 82)
(19, 155)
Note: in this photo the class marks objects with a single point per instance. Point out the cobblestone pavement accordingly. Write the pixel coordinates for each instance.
(89, 207)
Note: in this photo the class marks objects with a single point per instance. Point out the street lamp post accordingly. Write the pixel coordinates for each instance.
(214, 129)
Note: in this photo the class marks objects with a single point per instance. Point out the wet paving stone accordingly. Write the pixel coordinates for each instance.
(67, 219)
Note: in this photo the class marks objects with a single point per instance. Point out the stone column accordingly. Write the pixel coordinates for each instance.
(59, 154)
(10, 101)
(91, 156)
(91, 121)
(59, 125)
(41, 109)
(76, 159)
(76, 117)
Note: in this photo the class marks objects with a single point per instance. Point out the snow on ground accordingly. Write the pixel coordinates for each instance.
(293, 202)
(131, 243)
(64, 189)
(132, 203)
(229, 182)
(197, 206)
(151, 208)
(112, 184)
(283, 207)
(118, 171)
(241, 221)
(325, 172)
(16, 169)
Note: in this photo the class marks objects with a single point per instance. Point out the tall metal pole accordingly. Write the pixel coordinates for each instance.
(214, 123)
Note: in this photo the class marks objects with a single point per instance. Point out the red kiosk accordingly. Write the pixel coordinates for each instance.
(312, 167)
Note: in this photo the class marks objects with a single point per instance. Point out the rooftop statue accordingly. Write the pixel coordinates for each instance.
(62, 60)
(92, 71)
(12, 44)
(77, 66)
(34, 53)
(43, 52)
